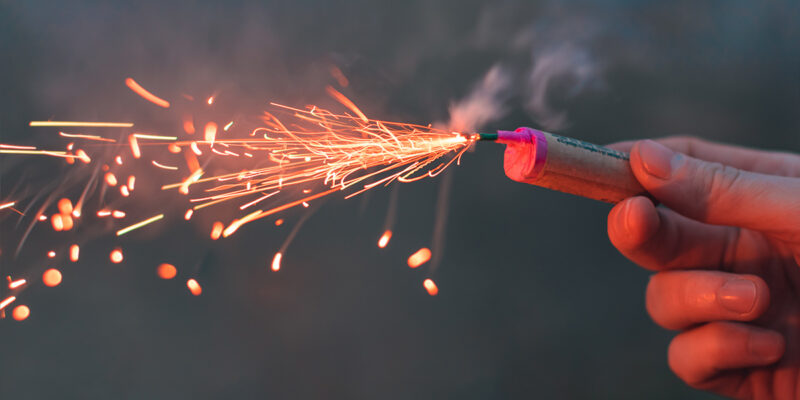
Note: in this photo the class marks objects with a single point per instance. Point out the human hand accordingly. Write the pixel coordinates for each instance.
(725, 249)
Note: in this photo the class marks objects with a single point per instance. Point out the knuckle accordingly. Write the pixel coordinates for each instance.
(719, 180)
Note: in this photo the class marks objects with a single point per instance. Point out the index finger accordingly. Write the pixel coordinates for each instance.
(764, 162)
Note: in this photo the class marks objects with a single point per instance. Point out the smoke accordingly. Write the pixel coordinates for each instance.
(484, 104)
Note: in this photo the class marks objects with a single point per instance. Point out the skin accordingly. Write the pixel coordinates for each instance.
(724, 245)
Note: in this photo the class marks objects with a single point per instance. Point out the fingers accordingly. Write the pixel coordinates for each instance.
(679, 299)
(660, 239)
(765, 162)
(718, 194)
(700, 355)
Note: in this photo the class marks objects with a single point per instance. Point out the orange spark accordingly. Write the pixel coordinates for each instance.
(118, 159)
(194, 287)
(276, 262)
(420, 257)
(21, 312)
(116, 256)
(51, 277)
(118, 214)
(65, 206)
(431, 287)
(87, 137)
(166, 271)
(111, 179)
(162, 166)
(145, 94)
(74, 252)
(134, 143)
(51, 254)
(85, 124)
(211, 132)
(58, 222)
(67, 220)
(139, 224)
(131, 182)
(43, 218)
(83, 156)
(227, 126)
(103, 213)
(384, 240)
(216, 230)
(279, 222)
(188, 124)
(210, 100)
(7, 205)
(188, 214)
(123, 190)
(17, 283)
(6, 302)
(346, 102)
(337, 74)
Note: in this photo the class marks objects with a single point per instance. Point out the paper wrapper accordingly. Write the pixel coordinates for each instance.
(568, 165)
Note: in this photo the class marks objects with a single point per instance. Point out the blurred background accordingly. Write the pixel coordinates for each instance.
(534, 302)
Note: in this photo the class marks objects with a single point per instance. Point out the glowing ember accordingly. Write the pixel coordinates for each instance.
(188, 214)
(431, 287)
(85, 124)
(51, 254)
(139, 224)
(74, 252)
(188, 125)
(7, 205)
(123, 190)
(279, 222)
(166, 271)
(211, 133)
(17, 283)
(145, 94)
(116, 256)
(51, 277)
(194, 287)
(384, 240)
(131, 182)
(65, 206)
(58, 222)
(216, 230)
(6, 302)
(210, 100)
(118, 214)
(276, 262)
(420, 257)
(111, 179)
(134, 143)
(21, 312)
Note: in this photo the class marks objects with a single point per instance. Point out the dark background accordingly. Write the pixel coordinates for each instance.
(534, 301)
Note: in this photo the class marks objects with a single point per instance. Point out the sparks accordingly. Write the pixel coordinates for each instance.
(74, 252)
(420, 257)
(139, 224)
(276, 262)
(6, 302)
(116, 256)
(145, 94)
(51, 277)
(17, 283)
(87, 137)
(21, 312)
(194, 287)
(162, 166)
(384, 240)
(7, 205)
(166, 271)
(83, 124)
(216, 230)
(431, 287)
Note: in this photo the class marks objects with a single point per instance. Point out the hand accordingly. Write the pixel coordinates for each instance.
(725, 248)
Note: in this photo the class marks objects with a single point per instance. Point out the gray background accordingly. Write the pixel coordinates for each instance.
(534, 302)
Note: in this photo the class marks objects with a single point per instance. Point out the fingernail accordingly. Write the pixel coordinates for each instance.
(658, 160)
(625, 213)
(767, 346)
(737, 295)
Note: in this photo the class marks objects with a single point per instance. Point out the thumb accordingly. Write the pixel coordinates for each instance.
(718, 194)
